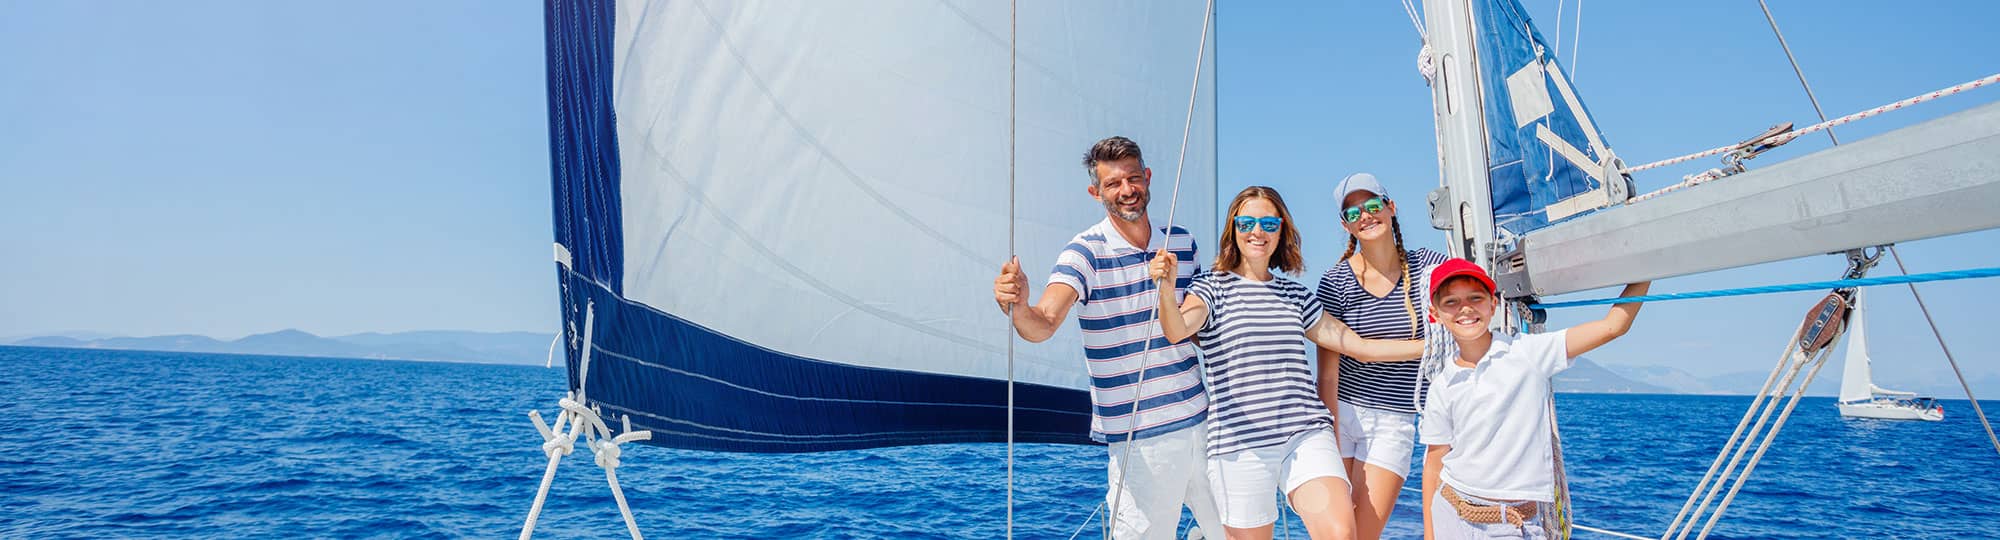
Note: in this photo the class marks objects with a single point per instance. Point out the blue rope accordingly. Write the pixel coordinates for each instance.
(1815, 285)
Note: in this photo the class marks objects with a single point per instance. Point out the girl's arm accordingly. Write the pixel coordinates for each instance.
(1433, 467)
(1331, 334)
(1176, 324)
(1585, 337)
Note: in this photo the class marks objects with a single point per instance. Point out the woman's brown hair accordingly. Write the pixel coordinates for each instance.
(1285, 257)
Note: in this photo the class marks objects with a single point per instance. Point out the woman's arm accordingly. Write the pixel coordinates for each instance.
(1331, 334)
(1176, 324)
(1584, 337)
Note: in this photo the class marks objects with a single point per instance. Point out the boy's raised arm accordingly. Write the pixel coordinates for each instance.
(1585, 337)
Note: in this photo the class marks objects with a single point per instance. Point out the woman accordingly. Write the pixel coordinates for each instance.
(1374, 290)
(1268, 430)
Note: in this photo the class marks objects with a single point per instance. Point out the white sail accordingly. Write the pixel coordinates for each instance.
(1856, 381)
(789, 227)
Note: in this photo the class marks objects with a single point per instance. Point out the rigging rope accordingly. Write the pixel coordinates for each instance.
(1947, 353)
(1811, 285)
(1892, 249)
(1139, 387)
(1795, 69)
(1794, 134)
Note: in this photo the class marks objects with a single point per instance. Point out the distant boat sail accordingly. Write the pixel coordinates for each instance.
(776, 224)
(1859, 397)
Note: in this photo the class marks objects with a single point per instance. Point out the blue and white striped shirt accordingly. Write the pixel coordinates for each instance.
(1390, 386)
(1119, 327)
(1254, 345)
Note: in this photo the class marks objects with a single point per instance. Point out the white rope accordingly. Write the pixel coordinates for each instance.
(1139, 388)
(1766, 444)
(1086, 520)
(1792, 358)
(1794, 134)
(1416, 18)
(1748, 413)
(551, 362)
(585, 421)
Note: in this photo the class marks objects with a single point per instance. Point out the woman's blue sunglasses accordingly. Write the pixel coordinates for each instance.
(1268, 223)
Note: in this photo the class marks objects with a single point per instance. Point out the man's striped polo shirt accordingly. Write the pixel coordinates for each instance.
(1119, 328)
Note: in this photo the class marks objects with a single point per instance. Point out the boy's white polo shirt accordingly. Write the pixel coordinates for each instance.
(1495, 417)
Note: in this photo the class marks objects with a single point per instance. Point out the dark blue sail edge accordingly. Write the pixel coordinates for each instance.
(697, 388)
(1524, 174)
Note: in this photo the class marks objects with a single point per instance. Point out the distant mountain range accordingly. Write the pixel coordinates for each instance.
(449, 346)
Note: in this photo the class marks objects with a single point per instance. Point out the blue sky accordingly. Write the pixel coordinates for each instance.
(227, 168)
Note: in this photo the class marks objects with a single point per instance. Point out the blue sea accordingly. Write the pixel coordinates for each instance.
(142, 444)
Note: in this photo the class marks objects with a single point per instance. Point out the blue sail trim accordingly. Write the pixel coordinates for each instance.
(700, 389)
(583, 138)
(1527, 175)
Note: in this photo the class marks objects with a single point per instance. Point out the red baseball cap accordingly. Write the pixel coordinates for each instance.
(1454, 268)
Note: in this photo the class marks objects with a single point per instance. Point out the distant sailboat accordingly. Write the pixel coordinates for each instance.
(1860, 398)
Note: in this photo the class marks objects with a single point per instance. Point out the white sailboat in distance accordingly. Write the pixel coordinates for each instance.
(1860, 398)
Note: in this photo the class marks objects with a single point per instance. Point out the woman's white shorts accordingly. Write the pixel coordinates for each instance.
(1378, 437)
(1246, 482)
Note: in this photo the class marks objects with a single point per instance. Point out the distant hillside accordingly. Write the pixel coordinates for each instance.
(450, 346)
(1587, 377)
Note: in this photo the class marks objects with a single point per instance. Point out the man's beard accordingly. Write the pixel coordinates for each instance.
(1112, 206)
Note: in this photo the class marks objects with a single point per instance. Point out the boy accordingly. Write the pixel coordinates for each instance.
(1488, 465)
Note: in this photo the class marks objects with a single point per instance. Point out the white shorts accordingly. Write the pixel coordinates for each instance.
(1378, 437)
(1165, 473)
(1245, 481)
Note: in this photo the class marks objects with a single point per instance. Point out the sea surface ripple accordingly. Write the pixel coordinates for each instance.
(133, 444)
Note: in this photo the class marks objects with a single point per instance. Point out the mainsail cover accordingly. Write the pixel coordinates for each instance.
(1546, 160)
(777, 223)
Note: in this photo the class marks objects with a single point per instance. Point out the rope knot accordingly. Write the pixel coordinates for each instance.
(607, 453)
(1427, 64)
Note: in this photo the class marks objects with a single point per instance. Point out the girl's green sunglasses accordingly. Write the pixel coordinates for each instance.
(1373, 206)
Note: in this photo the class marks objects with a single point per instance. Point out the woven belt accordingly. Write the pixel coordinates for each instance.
(1514, 513)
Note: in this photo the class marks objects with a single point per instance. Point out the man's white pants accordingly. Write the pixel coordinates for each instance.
(1166, 472)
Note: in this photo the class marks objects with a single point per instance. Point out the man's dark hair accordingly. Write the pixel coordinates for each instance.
(1112, 148)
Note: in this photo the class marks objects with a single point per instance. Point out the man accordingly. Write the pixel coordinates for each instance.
(1105, 269)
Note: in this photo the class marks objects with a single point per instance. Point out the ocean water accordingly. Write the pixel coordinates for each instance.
(140, 444)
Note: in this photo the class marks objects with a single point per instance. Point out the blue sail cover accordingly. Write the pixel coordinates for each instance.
(777, 223)
(1546, 159)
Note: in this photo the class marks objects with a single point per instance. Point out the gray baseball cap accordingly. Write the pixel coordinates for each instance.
(1358, 182)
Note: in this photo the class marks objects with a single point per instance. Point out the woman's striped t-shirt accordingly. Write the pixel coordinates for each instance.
(1389, 386)
(1260, 382)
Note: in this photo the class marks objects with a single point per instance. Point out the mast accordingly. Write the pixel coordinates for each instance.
(1463, 206)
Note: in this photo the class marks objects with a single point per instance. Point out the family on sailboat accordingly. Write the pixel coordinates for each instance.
(1255, 420)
